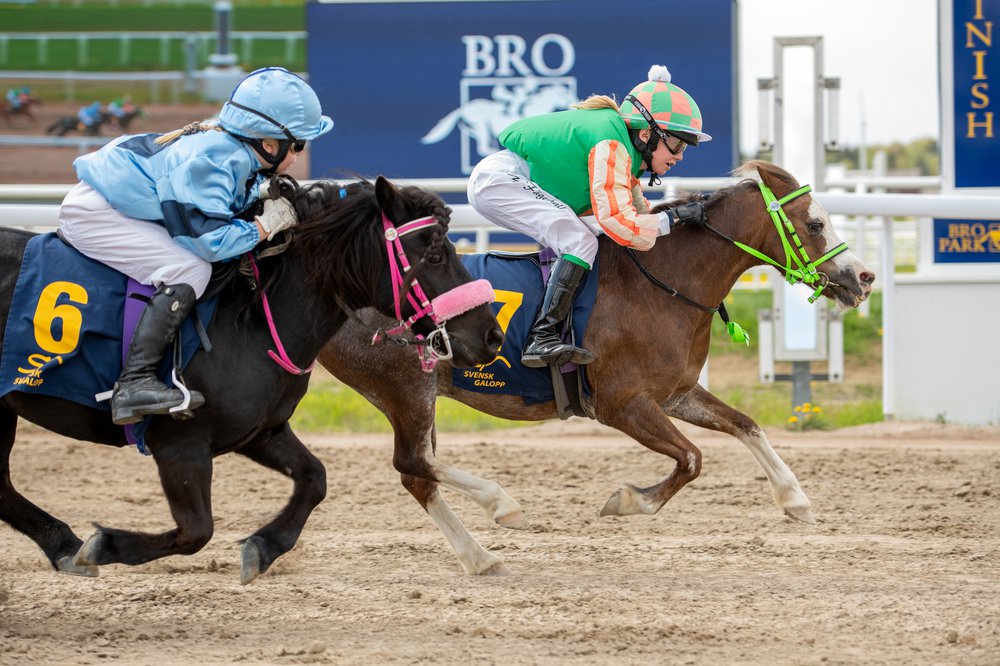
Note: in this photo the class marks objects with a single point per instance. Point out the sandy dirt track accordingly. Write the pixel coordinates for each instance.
(902, 567)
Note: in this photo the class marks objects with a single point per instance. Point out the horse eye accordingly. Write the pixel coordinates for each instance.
(815, 227)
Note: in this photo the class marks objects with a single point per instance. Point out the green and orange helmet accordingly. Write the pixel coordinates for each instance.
(659, 101)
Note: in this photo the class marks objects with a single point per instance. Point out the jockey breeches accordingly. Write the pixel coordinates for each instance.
(501, 190)
(142, 250)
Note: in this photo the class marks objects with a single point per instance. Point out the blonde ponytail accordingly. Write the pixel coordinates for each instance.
(193, 128)
(597, 102)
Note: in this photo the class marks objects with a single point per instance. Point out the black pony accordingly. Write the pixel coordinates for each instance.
(65, 124)
(337, 259)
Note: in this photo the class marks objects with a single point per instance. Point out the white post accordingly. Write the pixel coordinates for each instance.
(888, 322)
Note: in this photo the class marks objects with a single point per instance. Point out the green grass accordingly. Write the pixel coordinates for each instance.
(743, 306)
(771, 405)
(107, 55)
(330, 406)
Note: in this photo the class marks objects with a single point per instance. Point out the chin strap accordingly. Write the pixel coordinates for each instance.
(284, 145)
(646, 149)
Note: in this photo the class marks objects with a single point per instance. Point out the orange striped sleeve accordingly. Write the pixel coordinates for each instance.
(611, 196)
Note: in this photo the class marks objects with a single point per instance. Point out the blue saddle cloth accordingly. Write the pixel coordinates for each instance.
(64, 333)
(519, 288)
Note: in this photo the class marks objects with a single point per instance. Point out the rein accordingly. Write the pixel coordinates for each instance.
(281, 358)
(804, 269)
(736, 332)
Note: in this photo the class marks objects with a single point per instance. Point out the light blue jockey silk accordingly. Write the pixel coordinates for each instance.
(192, 186)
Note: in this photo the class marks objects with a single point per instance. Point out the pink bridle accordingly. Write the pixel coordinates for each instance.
(454, 302)
(447, 306)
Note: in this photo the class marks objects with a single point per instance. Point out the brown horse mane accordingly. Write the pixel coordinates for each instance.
(765, 169)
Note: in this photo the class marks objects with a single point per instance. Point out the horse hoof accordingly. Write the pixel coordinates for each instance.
(801, 513)
(67, 565)
(90, 552)
(626, 501)
(250, 561)
(514, 520)
(497, 569)
(613, 506)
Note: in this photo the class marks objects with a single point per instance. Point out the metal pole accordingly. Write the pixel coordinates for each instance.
(801, 377)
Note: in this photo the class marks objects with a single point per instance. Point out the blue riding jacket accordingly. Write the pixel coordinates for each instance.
(193, 186)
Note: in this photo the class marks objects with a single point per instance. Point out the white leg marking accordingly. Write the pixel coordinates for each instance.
(787, 493)
(499, 506)
(474, 558)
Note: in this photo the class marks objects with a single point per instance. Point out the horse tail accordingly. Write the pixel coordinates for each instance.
(443, 127)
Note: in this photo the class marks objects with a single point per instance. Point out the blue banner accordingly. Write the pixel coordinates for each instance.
(422, 89)
(966, 241)
(977, 144)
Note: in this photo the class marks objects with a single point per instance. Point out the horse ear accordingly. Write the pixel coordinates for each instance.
(777, 179)
(389, 199)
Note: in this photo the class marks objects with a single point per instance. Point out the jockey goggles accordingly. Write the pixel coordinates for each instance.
(655, 126)
(292, 144)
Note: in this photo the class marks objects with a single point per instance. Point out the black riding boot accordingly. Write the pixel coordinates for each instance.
(138, 392)
(545, 345)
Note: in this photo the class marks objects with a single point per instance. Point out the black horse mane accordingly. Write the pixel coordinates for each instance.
(339, 239)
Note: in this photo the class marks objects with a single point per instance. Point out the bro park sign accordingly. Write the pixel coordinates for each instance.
(421, 89)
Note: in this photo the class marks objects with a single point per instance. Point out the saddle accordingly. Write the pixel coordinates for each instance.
(519, 280)
(70, 323)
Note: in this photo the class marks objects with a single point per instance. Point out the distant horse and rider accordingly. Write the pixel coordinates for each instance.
(649, 329)
(356, 245)
(20, 102)
(90, 120)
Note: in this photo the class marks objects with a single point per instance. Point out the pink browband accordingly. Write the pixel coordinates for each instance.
(444, 307)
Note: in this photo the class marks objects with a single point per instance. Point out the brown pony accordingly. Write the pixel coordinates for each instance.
(650, 349)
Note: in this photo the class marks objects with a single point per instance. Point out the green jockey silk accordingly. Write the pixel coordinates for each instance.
(557, 148)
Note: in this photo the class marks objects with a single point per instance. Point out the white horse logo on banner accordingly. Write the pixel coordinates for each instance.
(482, 120)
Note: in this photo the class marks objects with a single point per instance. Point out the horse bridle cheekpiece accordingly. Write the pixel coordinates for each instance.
(452, 303)
(806, 268)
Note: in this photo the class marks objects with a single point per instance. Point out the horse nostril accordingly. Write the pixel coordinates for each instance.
(867, 277)
(494, 338)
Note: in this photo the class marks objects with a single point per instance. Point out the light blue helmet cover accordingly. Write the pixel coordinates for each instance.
(281, 100)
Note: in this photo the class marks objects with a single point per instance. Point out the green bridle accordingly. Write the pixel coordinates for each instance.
(798, 267)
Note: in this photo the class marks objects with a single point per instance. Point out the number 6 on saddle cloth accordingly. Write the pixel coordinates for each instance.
(68, 317)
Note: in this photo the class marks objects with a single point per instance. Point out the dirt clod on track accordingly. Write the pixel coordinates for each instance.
(902, 567)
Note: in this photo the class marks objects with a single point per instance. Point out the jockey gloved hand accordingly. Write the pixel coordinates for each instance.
(692, 213)
(278, 215)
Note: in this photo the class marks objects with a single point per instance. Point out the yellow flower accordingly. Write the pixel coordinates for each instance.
(798, 408)
(817, 409)
(806, 406)
(793, 419)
